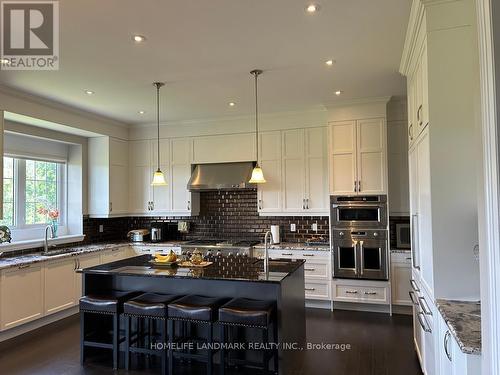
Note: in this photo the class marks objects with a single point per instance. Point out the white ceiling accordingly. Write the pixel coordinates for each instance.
(204, 51)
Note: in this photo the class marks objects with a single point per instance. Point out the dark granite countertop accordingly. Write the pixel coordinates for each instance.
(464, 321)
(223, 268)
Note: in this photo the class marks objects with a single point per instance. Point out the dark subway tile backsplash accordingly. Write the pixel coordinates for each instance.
(223, 214)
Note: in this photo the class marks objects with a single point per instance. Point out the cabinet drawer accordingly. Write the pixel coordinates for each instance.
(313, 270)
(313, 256)
(280, 254)
(354, 293)
(316, 290)
(401, 258)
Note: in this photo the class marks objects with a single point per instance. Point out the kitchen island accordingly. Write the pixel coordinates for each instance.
(228, 277)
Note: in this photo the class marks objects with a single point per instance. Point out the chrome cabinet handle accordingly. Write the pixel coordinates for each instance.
(24, 266)
(76, 265)
(149, 206)
(189, 205)
(412, 297)
(310, 289)
(355, 186)
(419, 113)
(410, 132)
(303, 203)
(286, 254)
(446, 340)
(310, 269)
(424, 306)
(359, 186)
(307, 203)
(362, 266)
(110, 206)
(260, 204)
(371, 293)
(421, 320)
(351, 292)
(308, 255)
(414, 285)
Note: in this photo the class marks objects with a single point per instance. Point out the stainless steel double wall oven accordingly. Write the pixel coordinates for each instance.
(360, 237)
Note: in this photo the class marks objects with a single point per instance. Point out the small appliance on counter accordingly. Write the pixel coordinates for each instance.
(275, 232)
(138, 235)
(156, 234)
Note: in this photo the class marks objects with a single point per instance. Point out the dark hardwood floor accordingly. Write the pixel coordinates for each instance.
(380, 345)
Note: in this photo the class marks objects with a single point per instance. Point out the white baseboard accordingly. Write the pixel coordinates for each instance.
(319, 304)
(17, 331)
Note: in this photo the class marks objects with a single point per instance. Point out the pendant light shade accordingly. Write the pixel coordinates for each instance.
(158, 176)
(257, 173)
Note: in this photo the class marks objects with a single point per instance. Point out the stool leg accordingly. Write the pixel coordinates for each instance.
(127, 342)
(116, 332)
(82, 337)
(222, 368)
(171, 335)
(164, 334)
(210, 340)
(276, 351)
(265, 341)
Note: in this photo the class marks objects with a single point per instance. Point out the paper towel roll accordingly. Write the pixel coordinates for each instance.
(275, 231)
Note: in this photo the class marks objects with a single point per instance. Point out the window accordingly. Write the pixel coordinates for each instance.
(32, 188)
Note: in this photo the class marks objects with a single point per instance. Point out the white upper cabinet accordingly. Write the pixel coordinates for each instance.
(161, 194)
(295, 167)
(140, 175)
(108, 176)
(269, 194)
(293, 170)
(1, 163)
(224, 148)
(183, 201)
(358, 157)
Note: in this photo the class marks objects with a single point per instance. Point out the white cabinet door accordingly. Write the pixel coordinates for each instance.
(414, 196)
(400, 283)
(114, 255)
(59, 285)
(181, 150)
(21, 295)
(397, 151)
(141, 173)
(342, 157)
(316, 170)
(84, 261)
(118, 176)
(224, 148)
(1, 162)
(161, 196)
(293, 171)
(372, 156)
(270, 193)
(444, 346)
(423, 221)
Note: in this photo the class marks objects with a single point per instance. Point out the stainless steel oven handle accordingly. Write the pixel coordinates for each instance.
(362, 257)
(446, 340)
(421, 320)
(412, 297)
(424, 306)
(414, 285)
(355, 258)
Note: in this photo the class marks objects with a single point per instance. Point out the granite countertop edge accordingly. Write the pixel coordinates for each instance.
(463, 319)
(295, 246)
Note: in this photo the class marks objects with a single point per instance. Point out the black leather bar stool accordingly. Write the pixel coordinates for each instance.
(152, 308)
(249, 313)
(110, 304)
(193, 309)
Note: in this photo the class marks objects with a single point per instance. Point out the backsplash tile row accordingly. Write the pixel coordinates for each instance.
(223, 214)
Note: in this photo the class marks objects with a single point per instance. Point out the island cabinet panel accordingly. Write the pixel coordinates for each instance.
(224, 148)
(59, 285)
(21, 292)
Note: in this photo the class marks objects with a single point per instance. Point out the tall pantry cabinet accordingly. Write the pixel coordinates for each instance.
(440, 63)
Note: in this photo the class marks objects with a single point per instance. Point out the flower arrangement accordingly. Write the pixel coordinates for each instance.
(52, 215)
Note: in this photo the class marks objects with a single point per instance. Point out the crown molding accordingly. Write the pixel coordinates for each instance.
(9, 91)
(361, 101)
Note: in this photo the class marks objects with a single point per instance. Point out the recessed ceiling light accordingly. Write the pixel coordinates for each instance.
(89, 92)
(141, 112)
(338, 92)
(312, 8)
(4, 62)
(329, 62)
(139, 38)
(232, 104)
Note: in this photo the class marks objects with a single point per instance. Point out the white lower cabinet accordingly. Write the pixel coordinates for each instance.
(21, 295)
(400, 278)
(450, 359)
(361, 291)
(317, 271)
(114, 255)
(59, 285)
(84, 261)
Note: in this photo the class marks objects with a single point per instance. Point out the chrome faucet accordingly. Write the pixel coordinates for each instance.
(46, 242)
(267, 238)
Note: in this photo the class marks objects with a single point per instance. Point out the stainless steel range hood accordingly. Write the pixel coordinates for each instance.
(221, 176)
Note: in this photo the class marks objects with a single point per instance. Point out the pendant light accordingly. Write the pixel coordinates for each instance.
(158, 177)
(257, 174)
